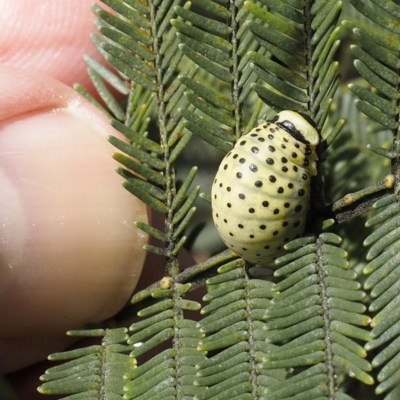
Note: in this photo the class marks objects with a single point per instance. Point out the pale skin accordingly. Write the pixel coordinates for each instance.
(49, 37)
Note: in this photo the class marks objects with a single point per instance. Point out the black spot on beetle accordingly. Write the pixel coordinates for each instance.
(241, 196)
(253, 168)
(272, 178)
(242, 160)
(270, 161)
(255, 149)
(251, 210)
(258, 184)
(242, 143)
(271, 149)
(298, 208)
(239, 175)
(265, 203)
(301, 192)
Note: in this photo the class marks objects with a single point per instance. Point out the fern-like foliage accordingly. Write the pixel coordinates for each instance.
(316, 316)
(383, 282)
(92, 372)
(211, 68)
(171, 373)
(234, 327)
(377, 61)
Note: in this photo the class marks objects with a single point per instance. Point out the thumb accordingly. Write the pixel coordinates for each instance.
(70, 253)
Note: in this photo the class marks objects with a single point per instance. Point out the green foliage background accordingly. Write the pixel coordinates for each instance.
(195, 76)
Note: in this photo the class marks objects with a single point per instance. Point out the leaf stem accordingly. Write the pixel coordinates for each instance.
(172, 265)
(235, 70)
